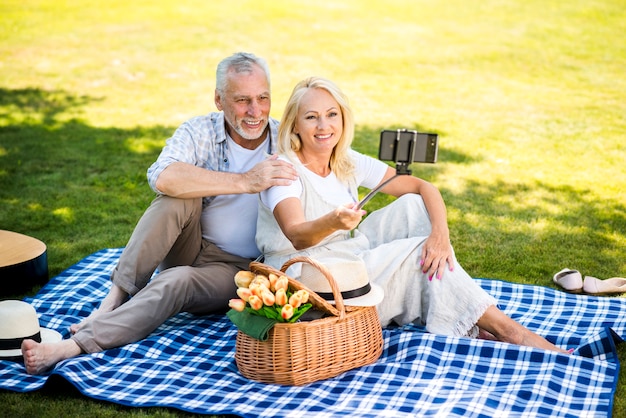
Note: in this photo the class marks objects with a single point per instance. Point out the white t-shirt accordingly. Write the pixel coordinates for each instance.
(230, 220)
(369, 173)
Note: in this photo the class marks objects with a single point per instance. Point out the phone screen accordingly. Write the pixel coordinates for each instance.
(404, 146)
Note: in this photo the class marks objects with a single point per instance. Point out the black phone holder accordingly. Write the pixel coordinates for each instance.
(402, 167)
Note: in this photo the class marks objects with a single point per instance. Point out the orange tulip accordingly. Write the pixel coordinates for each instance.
(256, 289)
(282, 283)
(286, 312)
(255, 302)
(281, 297)
(268, 297)
(244, 293)
(243, 278)
(304, 295)
(273, 278)
(262, 280)
(237, 304)
(295, 300)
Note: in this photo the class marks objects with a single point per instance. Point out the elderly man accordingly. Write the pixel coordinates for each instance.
(199, 231)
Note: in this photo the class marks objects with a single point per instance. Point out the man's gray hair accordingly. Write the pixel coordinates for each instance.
(240, 62)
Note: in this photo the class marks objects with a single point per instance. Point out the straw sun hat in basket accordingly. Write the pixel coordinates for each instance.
(351, 276)
(18, 322)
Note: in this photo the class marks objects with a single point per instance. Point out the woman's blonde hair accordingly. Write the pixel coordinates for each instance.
(289, 142)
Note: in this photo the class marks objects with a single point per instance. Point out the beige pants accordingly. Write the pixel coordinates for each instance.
(195, 276)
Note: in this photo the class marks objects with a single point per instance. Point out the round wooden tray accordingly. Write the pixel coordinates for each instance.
(23, 263)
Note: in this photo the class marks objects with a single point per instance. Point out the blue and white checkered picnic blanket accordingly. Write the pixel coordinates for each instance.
(188, 363)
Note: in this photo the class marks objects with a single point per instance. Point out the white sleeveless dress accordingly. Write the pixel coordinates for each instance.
(389, 241)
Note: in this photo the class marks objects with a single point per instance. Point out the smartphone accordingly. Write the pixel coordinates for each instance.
(406, 146)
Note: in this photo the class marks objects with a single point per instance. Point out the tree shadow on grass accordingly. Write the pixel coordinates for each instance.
(34, 104)
(498, 227)
(77, 187)
(81, 188)
(543, 227)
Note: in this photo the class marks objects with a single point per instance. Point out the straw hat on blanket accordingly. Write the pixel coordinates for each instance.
(18, 322)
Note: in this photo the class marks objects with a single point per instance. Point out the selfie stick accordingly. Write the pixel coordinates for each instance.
(402, 168)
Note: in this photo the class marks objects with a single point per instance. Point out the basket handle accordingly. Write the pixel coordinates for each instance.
(339, 305)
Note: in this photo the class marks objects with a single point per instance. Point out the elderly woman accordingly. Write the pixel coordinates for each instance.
(405, 246)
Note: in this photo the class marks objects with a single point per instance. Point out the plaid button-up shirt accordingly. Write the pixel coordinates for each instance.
(200, 141)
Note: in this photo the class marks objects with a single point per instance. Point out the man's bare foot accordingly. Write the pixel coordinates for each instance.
(111, 301)
(40, 357)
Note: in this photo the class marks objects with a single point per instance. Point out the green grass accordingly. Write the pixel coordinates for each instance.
(528, 97)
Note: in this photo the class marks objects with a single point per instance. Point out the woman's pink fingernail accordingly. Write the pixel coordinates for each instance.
(430, 278)
(421, 262)
(439, 276)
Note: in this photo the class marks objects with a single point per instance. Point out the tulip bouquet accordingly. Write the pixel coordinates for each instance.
(269, 296)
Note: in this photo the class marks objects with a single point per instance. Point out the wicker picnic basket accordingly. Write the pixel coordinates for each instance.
(308, 351)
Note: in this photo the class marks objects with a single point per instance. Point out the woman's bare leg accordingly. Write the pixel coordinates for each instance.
(486, 335)
(507, 330)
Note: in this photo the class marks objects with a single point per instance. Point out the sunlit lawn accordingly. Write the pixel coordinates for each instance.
(529, 100)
